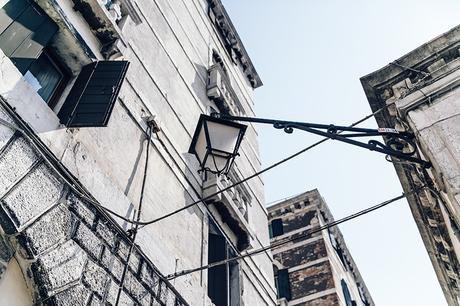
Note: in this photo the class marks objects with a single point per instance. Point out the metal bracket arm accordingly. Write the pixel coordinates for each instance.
(396, 141)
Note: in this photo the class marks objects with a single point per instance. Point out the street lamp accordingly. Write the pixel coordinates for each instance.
(215, 143)
(217, 139)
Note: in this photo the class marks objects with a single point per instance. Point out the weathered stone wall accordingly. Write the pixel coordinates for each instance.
(419, 93)
(70, 252)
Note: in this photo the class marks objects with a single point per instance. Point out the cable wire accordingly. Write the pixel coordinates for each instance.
(138, 217)
(280, 243)
(84, 194)
(200, 200)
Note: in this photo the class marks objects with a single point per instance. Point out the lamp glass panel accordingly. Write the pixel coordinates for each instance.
(200, 146)
(223, 137)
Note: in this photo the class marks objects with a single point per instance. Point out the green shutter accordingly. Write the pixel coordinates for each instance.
(10, 11)
(24, 31)
(284, 288)
(91, 100)
(20, 29)
(31, 48)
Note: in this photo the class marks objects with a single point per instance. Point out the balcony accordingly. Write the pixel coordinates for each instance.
(219, 90)
(233, 205)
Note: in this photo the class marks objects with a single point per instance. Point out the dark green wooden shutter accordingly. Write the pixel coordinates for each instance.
(91, 99)
(217, 276)
(10, 11)
(277, 227)
(284, 288)
(25, 30)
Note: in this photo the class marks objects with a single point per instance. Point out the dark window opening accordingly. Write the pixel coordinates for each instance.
(347, 295)
(223, 280)
(283, 288)
(46, 77)
(277, 228)
(338, 250)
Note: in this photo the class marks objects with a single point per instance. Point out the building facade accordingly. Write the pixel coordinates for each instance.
(420, 93)
(312, 269)
(87, 88)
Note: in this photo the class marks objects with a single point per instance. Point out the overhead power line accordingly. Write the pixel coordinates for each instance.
(202, 200)
(281, 243)
(85, 195)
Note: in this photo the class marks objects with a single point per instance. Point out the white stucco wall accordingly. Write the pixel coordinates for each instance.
(169, 54)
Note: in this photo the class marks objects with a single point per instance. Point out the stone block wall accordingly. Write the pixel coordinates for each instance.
(71, 253)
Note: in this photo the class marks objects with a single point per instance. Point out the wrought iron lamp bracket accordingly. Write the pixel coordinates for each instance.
(398, 144)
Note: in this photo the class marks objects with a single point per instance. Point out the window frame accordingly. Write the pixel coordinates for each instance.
(63, 81)
(232, 281)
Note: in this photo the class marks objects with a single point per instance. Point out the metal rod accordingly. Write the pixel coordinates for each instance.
(331, 131)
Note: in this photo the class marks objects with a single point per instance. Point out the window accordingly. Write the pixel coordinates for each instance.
(45, 77)
(338, 250)
(25, 30)
(276, 228)
(347, 295)
(282, 284)
(223, 280)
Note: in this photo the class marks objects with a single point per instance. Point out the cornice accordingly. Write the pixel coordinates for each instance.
(232, 41)
(418, 77)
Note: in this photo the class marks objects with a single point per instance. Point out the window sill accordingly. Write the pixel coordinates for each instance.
(27, 103)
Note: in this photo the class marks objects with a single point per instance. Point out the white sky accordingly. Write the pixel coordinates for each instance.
(310, 56)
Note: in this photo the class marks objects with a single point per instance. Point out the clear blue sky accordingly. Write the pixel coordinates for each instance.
(310, 56)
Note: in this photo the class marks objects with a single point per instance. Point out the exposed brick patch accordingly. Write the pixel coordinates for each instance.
(85, 213)
(296, 221)
(311, 280)
(88, 241)
(63, 266)
(302, 254)
(95, 277)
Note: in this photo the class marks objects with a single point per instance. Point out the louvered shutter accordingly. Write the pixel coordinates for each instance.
(24, 31)
(277, 227)
(91, 99)
(284, 288)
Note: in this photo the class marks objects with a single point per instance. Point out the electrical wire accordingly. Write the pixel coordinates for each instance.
(138, 217)
(280, 243)
(200, 200)
(84, 194)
